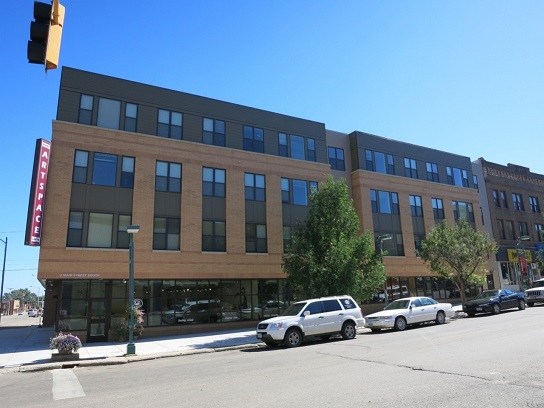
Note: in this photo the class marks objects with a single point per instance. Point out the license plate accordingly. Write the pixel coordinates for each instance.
(479, 309)
(369, 324)
(259, 335)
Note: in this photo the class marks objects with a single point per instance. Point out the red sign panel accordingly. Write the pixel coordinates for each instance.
(523, 264)
(37, 193)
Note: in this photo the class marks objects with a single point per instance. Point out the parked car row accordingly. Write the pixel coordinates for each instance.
(326, 316)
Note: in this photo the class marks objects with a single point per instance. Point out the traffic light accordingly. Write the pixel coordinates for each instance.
(45, 34)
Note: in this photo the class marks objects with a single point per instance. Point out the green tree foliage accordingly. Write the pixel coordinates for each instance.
(459, 253)
(328, 256)
(23, 295)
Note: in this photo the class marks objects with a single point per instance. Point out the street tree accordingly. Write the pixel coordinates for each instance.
(459, 253)
(25, 296)
(328, 255)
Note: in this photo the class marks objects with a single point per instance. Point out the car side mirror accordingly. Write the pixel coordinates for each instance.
(410, 307)
(307, 313)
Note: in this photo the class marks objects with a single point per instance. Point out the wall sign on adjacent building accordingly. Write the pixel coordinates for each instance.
(37, 193)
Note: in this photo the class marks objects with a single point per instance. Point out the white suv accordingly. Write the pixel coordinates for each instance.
(536, 293)
(315, 317)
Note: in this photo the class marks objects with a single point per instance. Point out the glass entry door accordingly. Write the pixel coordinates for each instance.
(97, 328)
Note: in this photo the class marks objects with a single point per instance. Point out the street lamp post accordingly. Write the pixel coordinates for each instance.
(520, 251)
(380, 240)
(3, 271)
(131, 230)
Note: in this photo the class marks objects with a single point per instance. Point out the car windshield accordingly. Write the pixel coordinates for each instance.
(488, 294)
(398, 304)
(294, 309)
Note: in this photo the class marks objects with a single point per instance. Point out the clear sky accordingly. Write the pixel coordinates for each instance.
(462, 76)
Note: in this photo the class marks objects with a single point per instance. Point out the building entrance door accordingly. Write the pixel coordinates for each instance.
(97, 324)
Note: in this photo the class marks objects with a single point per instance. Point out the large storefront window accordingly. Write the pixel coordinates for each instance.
(72, 313)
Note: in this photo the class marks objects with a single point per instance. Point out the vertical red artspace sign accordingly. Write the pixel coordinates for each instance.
(36, 202)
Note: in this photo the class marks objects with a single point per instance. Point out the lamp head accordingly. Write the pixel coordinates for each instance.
(133, 229)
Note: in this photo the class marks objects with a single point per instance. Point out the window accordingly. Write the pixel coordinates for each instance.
(384, 202)
(509, 227)
(379, 162)
(438, 209)
(410, 168)
(131, 115)
(415, 206)
(166, 233)
(496, 199)
(254, 187)
(213, 182)
(81, 161)
(462, 210)
(504, 200)
(75, 229)
(285, 191)
(253, 139)
(336, 158)
(256, 238)
(457, 177)
(282, 145)
(287, 238)
(213, 132)
(523, 229)
(475, 181)
(301, 189)
(170, 124)
(100, 230)
(432, 172)
(85, 110)
(109, 113)
(213, 236)
(535, 205)
(122, 235)
(168, 177)
(104, 169)
(127, 172)
(517, 199)
(310, 150)
(297, 147)
(300, 192)
(539, 228)
(500, 227)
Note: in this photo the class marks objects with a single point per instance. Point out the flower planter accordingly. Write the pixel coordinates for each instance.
(64, 357)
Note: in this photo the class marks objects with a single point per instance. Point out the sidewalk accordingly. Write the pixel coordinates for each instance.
(26, 347)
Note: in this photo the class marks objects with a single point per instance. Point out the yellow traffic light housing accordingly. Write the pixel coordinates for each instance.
(46, 34)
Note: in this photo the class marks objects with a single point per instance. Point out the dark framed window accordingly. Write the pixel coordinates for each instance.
(438, 209)
(336, 158)
(416, 207)
(496, 201)
(534, 204)
(384, 202)
(104, 169)
(523, 229)
(410, 168)
(81, 164)
(502, 232)
(213, 182)
(253, 139)
(99, 233)
(517, 200)
(166, 233)
(127, 172)
(75, 229)
(214, 236)
(504, 199)
(462, 210)
(379, 162)
(457, 177)
(213, 132)
(510, 232)
(109, 113)
(287, 238)
(122, 235)
(170, 124)
(539, 228)
(475, 182)
(432, 172)
(310, 149)
(256, 238)
(285, 191)
(131, 117)
(282, 145)
(168, 177)
(85, 110)
(300, 192)
(255, 188)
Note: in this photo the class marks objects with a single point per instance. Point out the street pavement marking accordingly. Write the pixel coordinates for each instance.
(66, 385)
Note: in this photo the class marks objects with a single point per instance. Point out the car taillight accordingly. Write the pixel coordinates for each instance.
(361, 310)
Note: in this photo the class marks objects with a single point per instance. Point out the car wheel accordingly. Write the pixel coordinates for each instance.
(440, 318)
(495, 309)
(530, 304)
(293, 338)
(375, 330)
(521, 304)
(348, 331)
(400, 323)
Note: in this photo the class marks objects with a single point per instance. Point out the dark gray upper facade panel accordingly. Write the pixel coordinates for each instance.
(360, 142)
(194, 109)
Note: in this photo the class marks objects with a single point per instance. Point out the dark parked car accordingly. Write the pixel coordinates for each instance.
(493, 301)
